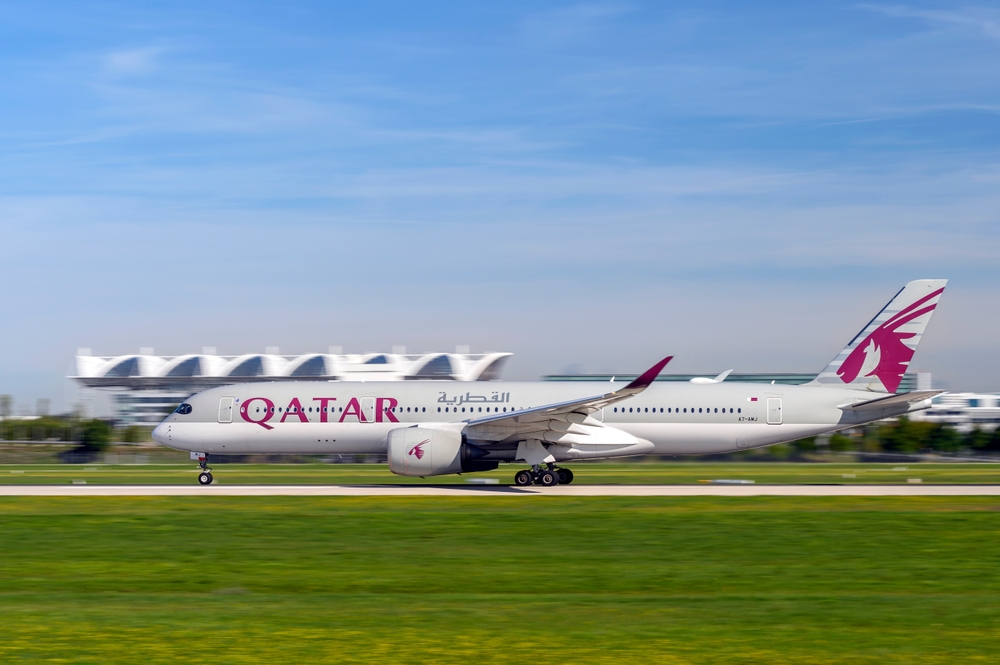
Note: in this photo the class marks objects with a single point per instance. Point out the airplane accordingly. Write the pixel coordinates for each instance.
(432, 428)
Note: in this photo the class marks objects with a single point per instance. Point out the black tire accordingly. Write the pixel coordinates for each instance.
(205, 478)
(522, 478)
(565, 476)
(547, 479)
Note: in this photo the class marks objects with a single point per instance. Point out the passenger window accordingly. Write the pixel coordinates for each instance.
(739, 410)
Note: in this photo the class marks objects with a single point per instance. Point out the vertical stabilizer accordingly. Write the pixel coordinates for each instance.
(879, 355)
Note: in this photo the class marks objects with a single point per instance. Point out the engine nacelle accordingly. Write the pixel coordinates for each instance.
(419, 451)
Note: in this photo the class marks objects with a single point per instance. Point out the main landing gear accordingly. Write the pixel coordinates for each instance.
(546, 477)
(205, 477)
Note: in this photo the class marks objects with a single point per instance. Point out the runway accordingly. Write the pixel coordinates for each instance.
(500, 491)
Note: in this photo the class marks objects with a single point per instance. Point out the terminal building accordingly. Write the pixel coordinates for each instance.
(145, 387)
(964, 411)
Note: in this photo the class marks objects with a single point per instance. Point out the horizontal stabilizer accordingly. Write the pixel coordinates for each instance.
(892, 400)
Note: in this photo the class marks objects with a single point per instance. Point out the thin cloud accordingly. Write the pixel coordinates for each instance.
(568, 24)
(976, 18)
(133, 62)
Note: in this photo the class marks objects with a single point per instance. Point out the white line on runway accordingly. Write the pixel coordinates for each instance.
(459, 490)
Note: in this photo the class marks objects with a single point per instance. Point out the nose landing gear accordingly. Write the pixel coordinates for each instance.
(205, 477)
(546, 477)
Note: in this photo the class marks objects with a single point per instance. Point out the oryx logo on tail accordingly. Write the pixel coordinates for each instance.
(879, 355)
(883, 353)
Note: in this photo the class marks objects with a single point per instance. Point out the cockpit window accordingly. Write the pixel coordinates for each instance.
(183, 409)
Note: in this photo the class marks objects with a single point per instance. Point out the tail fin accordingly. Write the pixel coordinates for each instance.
(878, 356)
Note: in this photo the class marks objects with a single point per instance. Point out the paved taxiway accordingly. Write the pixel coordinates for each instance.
(468, 490)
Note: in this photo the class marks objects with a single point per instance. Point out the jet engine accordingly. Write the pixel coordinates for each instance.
(420, 451)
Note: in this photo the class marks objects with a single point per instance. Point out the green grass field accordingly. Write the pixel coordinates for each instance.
(586, 473)
(499, 579)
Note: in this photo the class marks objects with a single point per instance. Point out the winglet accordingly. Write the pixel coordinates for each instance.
(647, 377)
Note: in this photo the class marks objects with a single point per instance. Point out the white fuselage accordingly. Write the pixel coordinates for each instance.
(329, 417)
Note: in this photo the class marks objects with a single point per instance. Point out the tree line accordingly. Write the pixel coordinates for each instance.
(900, 437)
(59, 429)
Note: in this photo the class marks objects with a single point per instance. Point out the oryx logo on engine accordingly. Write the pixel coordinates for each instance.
(418, 450)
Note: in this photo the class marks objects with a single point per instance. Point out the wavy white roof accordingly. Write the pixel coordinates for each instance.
(192, 370)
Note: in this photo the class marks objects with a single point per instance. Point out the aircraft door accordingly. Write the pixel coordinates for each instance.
(773, 410)
(368, 409)
(226, 409)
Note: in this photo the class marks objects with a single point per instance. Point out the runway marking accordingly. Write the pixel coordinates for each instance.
(460, 490)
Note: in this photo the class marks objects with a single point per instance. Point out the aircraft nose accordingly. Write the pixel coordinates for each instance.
(160, 434)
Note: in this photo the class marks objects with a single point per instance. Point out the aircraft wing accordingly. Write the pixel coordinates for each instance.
(892, 400)
(561, 421)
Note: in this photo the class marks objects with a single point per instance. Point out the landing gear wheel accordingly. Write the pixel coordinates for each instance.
(205, 477)
(565, 476)
(522, 478)
(547, 479)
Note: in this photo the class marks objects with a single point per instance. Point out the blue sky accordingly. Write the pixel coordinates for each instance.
(587, 185)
